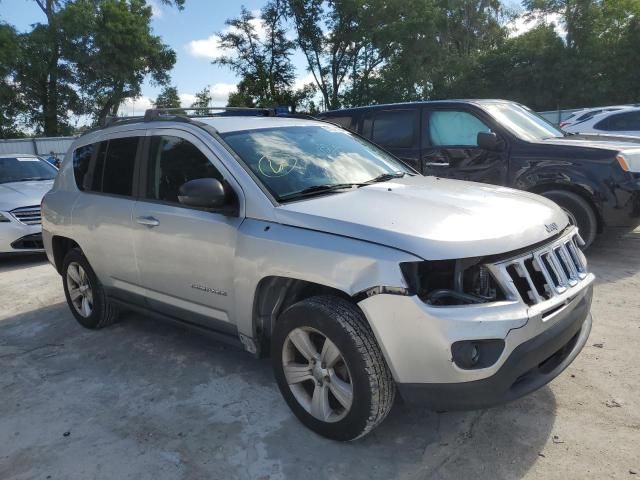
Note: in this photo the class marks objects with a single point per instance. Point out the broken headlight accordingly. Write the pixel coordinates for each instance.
(452, 282)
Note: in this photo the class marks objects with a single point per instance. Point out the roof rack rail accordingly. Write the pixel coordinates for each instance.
(181, 115)
(157, 113)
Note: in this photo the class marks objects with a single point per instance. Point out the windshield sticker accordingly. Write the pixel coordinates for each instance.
(27, 159)
(271, 167)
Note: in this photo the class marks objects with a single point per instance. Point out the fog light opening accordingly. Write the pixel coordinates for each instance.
(474, 354)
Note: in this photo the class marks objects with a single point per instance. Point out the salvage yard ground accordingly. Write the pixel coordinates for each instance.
(147, 400)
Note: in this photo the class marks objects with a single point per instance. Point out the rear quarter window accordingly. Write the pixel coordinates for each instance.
(82, 157)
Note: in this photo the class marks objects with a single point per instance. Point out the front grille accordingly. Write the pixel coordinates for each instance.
(546, 272)
(28, 215)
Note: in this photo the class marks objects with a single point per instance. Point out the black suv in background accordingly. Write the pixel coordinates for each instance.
(596, 179)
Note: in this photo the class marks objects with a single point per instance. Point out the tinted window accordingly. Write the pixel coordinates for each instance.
(620, 122)
(119, 163)
(174, 161)
(81, 161)
(392, 128)
(455, 128)
(342, 121)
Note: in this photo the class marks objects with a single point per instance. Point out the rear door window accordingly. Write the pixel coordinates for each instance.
(455, 128)
(392, 128)
(119, 165)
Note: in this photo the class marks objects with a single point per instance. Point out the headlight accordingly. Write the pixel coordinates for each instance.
(629, 160)
(4, 218)
(452, 282)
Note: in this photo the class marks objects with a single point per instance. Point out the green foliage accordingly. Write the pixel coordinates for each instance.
(85, 59)
(168, 98)
(262, 61)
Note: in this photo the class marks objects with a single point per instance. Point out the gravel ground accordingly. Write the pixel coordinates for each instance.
(146, 400)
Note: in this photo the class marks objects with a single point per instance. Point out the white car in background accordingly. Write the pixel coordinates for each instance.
(625, 122)
(588, 113)
(24, 179)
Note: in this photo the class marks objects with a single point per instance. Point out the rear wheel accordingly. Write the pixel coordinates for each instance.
(84, 293)
(330, 369)
(579, 212)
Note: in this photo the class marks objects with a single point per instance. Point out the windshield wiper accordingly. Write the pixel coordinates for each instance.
(384, 177)
(315, 189)
(29, 179)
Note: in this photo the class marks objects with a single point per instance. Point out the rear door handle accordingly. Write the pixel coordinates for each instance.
(148, 221)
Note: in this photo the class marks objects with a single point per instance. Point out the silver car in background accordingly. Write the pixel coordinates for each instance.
(299, 240)
(24, 180)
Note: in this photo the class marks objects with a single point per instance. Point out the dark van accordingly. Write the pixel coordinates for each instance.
(595, 178)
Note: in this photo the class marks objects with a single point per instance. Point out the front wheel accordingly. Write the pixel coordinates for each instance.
(579, 212)
(330, 369)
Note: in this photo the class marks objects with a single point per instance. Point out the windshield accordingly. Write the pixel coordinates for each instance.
(522, 122)
(313, 158)
(22, 169)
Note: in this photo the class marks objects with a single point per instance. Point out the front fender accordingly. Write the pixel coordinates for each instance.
(267, 249)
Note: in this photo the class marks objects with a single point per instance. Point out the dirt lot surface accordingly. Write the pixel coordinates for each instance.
(146, 400)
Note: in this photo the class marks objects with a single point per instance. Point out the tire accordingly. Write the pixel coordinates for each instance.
(76, 274)
(360, 366)
(580, 213)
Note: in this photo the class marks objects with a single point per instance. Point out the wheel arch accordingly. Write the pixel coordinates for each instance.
(60, 247)
(273, 295)
(576, 189)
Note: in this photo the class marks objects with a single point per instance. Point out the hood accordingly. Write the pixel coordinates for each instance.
(23, 194)
(432, 218)
(603, 142)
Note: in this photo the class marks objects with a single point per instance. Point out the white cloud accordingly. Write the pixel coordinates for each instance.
(156, 9)
(523, 23)
(304, 80)
(210, 47)
(135, 106)
(220, 92)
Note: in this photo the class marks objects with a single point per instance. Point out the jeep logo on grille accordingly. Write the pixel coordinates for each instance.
(551, 227)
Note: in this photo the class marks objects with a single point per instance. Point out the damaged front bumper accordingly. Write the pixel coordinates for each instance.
(539, 343)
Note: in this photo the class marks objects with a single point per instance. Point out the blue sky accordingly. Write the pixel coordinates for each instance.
(191, 33)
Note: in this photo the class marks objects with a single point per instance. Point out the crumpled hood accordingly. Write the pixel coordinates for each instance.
(23, 194)
(432, 218)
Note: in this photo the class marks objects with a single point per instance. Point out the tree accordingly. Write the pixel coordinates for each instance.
(203, 99)
(326, 32)
(58, 58)
(112, 51)
(168, 98)
(261, 61)
(10, 110)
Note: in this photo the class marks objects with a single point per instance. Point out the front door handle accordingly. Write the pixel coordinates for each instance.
(148, 221)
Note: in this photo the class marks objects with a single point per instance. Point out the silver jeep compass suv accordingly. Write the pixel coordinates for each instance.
(300, 240)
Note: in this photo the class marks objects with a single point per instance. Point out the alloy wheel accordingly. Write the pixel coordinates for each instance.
(79, 289)
(317, 374)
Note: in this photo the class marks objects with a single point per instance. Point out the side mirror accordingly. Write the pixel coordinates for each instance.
(488, 141)
(203, 193)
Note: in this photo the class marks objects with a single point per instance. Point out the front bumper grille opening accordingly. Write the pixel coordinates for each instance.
(547, 272)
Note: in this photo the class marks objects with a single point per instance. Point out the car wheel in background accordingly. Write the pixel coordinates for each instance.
(330, 369)
(84, 293)
(579, 211)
